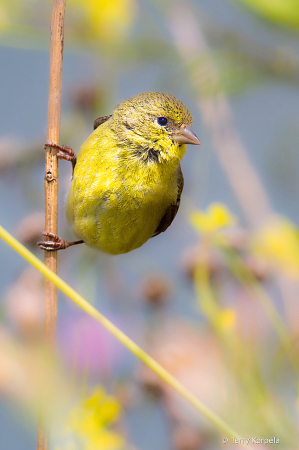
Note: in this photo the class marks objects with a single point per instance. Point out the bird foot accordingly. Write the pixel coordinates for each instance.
(57, 243)
(64, 152)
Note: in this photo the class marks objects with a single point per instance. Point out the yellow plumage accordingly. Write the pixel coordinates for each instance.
(127, 181)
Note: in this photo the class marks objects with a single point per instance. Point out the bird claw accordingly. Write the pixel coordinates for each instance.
(64, 152)
(56, 244)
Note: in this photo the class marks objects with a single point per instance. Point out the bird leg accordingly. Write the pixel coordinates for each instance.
(57, 243)
(64, 152)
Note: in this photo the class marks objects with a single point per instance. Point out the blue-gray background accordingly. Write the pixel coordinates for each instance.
(266, 116)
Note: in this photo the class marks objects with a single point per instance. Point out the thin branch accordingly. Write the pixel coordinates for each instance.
(51, 179)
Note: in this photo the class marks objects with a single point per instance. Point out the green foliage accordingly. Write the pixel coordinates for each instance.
(282, 12)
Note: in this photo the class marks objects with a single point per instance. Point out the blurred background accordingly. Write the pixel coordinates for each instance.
(215, 298)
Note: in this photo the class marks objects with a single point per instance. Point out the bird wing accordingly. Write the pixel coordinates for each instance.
(172, 209)
(99, 121)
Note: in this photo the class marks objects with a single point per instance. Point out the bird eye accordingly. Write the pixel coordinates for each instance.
(162, 121)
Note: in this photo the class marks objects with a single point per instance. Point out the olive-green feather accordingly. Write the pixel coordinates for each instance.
(128, 181)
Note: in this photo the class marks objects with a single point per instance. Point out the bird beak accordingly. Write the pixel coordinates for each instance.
(185, 135)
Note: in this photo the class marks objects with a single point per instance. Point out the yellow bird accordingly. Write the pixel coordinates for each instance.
(128, 181)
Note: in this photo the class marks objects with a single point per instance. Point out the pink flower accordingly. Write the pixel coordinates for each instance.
(87, 346)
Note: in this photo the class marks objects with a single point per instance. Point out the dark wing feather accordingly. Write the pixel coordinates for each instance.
(173, 208)
(100, 120)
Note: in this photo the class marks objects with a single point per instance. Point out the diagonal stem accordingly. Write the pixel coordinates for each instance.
(118, 334)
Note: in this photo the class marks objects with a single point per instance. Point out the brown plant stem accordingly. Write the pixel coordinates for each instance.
(51, 181)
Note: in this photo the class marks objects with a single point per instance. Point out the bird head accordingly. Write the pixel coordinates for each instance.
(155, 126)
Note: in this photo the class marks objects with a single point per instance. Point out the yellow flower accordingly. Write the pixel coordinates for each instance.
(108, 20)
(216, 218)
(278, 242)
(88, 424)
